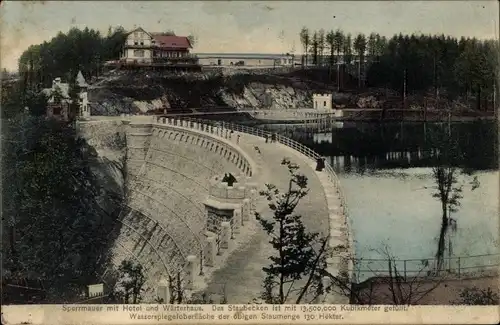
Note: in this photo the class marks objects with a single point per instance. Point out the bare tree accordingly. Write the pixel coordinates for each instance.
(387, 286)
(448, 187)
(179, 294)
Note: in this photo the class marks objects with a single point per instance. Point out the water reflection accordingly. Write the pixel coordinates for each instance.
(385, 171)
(397, 145)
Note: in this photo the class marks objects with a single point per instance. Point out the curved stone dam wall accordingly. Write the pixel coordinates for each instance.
(174, 193)
(179, 220)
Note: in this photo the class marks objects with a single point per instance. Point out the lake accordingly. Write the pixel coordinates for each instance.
(386, 175)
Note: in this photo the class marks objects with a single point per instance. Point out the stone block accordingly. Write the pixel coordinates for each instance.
(190, 271)
(210, 251)
(238, 221)
(253, 201)
(163, 291)
(246, 210)
(225, 235)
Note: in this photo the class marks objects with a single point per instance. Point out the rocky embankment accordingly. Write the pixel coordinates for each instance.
(107, 140)
(122, 91)
(142, 92)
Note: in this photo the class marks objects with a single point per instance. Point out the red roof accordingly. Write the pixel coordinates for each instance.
(174, 42)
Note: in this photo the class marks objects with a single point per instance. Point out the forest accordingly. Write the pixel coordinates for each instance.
(54, 225)
(66, 54)
(443, 65)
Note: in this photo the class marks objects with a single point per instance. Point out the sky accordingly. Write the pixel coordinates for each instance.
(241, 26)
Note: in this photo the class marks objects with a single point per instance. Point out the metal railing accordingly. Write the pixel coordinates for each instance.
(459, 266)
(309, 153)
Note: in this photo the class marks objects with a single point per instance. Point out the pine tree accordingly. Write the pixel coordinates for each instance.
(298, 262)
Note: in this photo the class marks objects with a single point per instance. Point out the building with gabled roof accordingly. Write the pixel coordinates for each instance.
(59, 100)
(145, 47)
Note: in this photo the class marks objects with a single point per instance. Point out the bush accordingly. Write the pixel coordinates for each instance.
(476, 296)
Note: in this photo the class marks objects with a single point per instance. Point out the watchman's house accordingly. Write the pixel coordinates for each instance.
(59, 101)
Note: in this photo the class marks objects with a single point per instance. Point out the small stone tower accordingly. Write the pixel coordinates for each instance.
(84, 108)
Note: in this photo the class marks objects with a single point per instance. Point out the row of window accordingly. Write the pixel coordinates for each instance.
(141, 54)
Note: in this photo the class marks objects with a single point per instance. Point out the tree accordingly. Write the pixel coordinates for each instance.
(51, 211)
(15, 99)
(380, 46)
(299, 256)
(305, 40)
(192, 40)
(178, 294)
(315, 48)
(386, 286)
(339, 40)
(130, 282)
(65, 54)
(347, 49)
(321, 45)
(330, 41)
(448, 187)
(372, 47)
(360, 48)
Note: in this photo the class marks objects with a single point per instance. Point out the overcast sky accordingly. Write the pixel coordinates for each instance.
(242, 26)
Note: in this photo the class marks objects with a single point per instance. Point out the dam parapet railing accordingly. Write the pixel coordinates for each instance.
(224, 129)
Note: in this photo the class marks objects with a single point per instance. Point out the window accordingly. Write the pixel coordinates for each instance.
(324, 104)
(135, 43)
(142, 42)
(139, 53)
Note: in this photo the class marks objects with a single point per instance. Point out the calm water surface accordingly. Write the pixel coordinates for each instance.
(386, 175)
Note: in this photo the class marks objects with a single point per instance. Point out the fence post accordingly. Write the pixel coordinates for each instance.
(404, 268)
(459, 267)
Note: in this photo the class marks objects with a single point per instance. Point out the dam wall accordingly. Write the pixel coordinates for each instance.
(178, 218)
(174, 195)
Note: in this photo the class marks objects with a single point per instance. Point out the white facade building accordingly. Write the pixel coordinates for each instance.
(322, 101)
(246, 60)
(138, 47)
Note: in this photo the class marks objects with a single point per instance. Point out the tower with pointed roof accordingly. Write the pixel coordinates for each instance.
(81, 83)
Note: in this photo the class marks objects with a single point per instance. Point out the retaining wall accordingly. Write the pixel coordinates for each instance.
(170, 171)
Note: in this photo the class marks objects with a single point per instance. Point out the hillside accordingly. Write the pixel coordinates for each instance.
(133, 92)
(118, 92)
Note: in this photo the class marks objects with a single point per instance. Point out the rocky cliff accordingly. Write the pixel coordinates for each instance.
(141, 92)
(144, 91)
